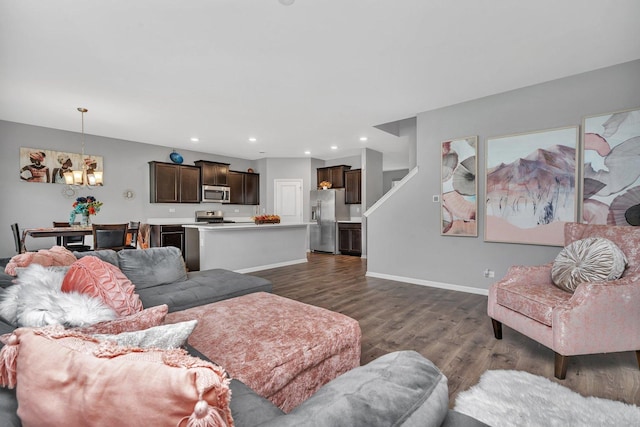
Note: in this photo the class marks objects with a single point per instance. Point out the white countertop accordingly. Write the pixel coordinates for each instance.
(241, 226)
(171, 221)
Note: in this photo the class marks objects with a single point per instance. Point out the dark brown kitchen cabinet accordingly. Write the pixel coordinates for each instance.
(333, 174)
(350, 238)
(171, 183)
(353, 186)
(245, 188)
(167, 235)
(213, 173)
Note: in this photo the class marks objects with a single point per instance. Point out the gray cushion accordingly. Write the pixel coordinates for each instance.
(106, 255)
(153, 266)
(5, 279)
(248, 408)
(203, 287)
(458, 419)
(397, 389)
(593, 259)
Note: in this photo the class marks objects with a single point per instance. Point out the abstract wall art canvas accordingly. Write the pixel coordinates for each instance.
(47, 166)
(459, 187)
(531, 186)
(611, 174)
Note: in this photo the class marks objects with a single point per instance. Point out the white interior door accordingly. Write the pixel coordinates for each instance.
(288, 200)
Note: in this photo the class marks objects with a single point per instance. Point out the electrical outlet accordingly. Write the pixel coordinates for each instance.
(236, 210)
(488, 273)
(358, 210)
(172, 210)
(436, 198)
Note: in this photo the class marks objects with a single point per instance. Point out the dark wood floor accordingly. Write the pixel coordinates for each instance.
(450, 328)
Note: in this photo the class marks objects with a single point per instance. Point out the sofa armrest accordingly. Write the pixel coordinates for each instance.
(530, 273)
(400, 389)
(600, 317)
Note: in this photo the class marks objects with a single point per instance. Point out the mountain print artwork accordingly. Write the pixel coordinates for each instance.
(531, 187)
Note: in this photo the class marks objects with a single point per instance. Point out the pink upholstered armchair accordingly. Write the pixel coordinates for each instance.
(599, 317)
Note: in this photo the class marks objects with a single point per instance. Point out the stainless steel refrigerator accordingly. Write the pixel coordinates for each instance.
(327, 207)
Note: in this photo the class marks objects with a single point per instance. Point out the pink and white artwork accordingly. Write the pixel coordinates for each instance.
(531, 186)
(611, 176)
(459, 187)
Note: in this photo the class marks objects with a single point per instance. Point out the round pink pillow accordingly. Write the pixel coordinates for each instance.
(92, 276)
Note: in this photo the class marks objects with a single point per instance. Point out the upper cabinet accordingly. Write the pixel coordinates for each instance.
(245, 188)
(333, 174)
(213, 173)
(172, 183)
(353, 186)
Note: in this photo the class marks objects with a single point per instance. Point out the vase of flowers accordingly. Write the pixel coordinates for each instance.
(85, 206)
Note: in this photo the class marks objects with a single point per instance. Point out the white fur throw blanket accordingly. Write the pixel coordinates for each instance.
(36, 300)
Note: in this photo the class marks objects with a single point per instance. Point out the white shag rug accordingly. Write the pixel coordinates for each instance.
(517, 398)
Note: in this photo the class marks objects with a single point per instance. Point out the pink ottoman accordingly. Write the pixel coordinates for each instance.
(283, 349)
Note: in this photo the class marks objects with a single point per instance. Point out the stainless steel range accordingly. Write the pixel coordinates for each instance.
(212, 217)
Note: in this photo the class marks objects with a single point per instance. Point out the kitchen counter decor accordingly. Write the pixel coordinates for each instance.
(324, 185)
(266, 219)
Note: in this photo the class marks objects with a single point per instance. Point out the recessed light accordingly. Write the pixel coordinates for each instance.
(194, 139)
(363, 138)
(252, 139)
(307, 152)
(334, 147)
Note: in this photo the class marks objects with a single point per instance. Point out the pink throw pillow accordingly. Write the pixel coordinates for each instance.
(56, 256)
(145, 319)
(63, 378)
(92, 276)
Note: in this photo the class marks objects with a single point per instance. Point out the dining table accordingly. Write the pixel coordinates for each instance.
(55, 232)
(75, 230)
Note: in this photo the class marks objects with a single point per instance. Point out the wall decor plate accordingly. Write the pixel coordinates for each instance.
(459, 187)
(176, 157)
(531, 186)
(611, 174)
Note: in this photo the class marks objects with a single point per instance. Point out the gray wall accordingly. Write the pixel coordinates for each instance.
(287, 168)
(389, 176)
(125, 166)
(404, 234)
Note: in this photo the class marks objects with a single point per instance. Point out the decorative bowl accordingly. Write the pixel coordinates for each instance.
(176, 157)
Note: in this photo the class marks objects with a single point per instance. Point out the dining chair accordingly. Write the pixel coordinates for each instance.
(17, 239)
(134, 226)
(110, 236)
(73, 243)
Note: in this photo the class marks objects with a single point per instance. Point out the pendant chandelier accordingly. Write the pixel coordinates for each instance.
(83, 177)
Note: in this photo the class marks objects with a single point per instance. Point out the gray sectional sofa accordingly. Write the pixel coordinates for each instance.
(399, 389)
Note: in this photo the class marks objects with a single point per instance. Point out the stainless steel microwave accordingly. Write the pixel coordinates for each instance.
(216, 194)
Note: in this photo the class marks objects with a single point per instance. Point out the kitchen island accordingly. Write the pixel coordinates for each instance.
(245, 247)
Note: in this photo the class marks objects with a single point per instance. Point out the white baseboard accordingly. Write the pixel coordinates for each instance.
(421, 282)
(268, 266)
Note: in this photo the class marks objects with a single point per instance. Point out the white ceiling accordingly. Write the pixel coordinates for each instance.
(300, 77)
